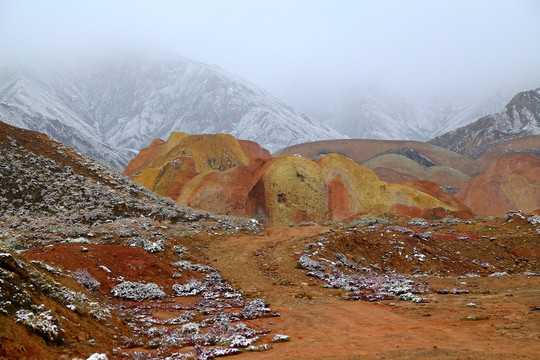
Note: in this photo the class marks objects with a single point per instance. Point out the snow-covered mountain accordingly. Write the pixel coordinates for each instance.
(376, 112)
(113, 110)
(520, 117)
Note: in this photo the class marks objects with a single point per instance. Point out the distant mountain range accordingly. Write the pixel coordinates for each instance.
(376, 112)
(520, 117)
(113, 110)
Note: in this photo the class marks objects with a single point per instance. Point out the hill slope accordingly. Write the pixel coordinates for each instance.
(510, 182)
(361, 150)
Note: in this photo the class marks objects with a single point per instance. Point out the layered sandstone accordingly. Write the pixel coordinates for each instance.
(166, 166)
(361, 150)
(509, 183)
(431, 188)
(393, 167)
(292, 189)
(223, 175)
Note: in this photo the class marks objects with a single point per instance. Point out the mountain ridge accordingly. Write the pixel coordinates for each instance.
(520, 117)
(115, 109)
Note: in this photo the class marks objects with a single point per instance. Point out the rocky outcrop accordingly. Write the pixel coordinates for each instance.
(519, 118)
(165, 167)
(293, 189)
(509, 183)
(431, 188)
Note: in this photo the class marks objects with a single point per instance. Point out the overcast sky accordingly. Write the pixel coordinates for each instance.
(292, 46)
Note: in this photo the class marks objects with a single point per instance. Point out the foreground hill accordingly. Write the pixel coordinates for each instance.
(43, 180)
(218, 173)
(113, 110)
(520, 117)
(83, 248)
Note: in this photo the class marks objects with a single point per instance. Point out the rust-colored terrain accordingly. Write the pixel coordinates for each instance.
(95, 266)
(478, 295)
(509, 183)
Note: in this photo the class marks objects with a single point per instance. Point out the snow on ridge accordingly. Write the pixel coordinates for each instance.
(111, 109)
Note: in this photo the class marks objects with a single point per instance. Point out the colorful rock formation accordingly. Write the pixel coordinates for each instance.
(221, 174)
(431, 188)
(392, 168)
(361, 150)
(166, 166)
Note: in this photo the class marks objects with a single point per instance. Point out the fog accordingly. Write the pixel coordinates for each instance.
(298, 50)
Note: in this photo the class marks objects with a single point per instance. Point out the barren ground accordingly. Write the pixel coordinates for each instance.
(499, 317)
(506, 325)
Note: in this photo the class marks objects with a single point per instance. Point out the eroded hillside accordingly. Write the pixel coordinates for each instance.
(218, 174)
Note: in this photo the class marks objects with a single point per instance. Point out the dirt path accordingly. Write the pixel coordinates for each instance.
(321, 326)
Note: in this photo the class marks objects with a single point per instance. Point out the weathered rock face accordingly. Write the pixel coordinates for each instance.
(166, 166)
(292, 189)
(509, 183)
(223, 175)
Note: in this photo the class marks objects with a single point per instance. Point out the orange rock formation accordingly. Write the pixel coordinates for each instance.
(166, 166)
(431, 188)
(509, 183)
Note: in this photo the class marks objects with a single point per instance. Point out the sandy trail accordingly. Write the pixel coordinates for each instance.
(323, 327)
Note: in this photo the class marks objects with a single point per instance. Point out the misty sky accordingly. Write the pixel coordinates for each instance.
(290, 47)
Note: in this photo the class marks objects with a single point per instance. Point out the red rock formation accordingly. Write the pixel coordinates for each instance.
(509, 183)
(166, 167)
